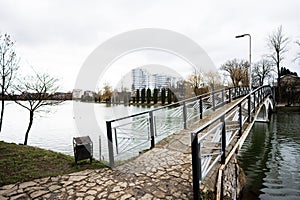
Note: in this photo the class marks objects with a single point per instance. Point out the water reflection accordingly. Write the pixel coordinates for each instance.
(270, 158)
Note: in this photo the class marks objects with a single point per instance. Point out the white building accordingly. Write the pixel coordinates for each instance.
(77, 93)
(141, 78)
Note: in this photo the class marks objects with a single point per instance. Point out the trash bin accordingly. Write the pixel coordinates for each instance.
(83, 148)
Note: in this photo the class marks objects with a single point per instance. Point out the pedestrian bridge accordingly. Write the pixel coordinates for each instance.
(212, 126)
(189, 141)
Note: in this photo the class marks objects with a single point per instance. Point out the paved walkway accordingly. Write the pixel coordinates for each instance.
(164, 172)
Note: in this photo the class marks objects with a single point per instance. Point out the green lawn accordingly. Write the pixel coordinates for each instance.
(19, 163)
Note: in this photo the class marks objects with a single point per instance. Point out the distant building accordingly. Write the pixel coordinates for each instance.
(77, 94)
(88, 96)
(290, 85)
(62, 96)
(141, 78)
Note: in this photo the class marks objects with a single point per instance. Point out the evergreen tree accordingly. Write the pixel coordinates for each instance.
(155, 96)
(148, 96)
(143, 94)
(163, 96)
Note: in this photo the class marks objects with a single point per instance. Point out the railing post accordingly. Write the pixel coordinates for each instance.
(200, 108)
(110, 144)
(100, 150)
(229, 94)
(213, 100)
(116, 141)
(184, 112)
(196, 166)
(151, 127)
(223, 101)
(235, 92)
(249, 108)
(223, 156)
(254, 99)
(240, 119)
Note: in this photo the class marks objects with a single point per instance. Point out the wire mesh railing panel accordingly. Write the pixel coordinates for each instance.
(210, 148)
(129, 136)
(168, 121)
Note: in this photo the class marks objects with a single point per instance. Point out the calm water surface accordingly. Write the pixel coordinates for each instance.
(270, 158)
(55, 130)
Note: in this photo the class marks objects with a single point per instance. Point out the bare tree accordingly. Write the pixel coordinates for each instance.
(277, 42)
(106, 93)
(194, 80)
(213, 79)
(8, 68)
(35, 94)
(238, 71)
(262, 70)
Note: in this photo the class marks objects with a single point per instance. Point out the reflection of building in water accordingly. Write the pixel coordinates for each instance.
(141, 78)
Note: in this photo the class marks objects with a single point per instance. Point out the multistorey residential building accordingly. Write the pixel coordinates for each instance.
(141, 78)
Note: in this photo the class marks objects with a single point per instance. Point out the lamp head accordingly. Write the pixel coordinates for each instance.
(239, 36)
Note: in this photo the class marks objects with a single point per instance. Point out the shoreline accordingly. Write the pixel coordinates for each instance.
(287, 109)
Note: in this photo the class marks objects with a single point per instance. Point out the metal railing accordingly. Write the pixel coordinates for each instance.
(127, 136)
(210, 141)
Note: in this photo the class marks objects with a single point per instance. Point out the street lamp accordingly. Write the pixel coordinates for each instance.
(250, 77)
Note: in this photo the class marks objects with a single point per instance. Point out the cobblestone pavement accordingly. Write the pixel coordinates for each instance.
(161, 173)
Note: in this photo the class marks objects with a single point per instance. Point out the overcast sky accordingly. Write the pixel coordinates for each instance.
(58, 35)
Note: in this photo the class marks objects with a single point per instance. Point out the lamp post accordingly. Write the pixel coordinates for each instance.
(250, 77)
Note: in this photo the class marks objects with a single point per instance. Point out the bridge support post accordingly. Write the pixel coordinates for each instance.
(151, 124)
(229, 95)
(196, 166)
(110, 144)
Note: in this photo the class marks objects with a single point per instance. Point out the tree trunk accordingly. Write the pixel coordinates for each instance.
(278, 77)
(2, 112)
(2, 103)
(29, 126)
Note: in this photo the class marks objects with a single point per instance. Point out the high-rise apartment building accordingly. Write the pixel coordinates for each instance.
(141, 78)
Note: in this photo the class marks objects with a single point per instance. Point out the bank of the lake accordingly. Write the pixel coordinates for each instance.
(270, 158)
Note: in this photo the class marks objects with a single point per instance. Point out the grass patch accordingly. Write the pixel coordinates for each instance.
(19, 163)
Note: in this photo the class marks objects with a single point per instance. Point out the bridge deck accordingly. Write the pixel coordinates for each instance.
(164, 172)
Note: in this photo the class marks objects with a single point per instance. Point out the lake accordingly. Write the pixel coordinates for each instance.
(55, 130)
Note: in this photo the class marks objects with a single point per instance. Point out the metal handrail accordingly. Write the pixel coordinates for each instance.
(187, 113)
(199, 171)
